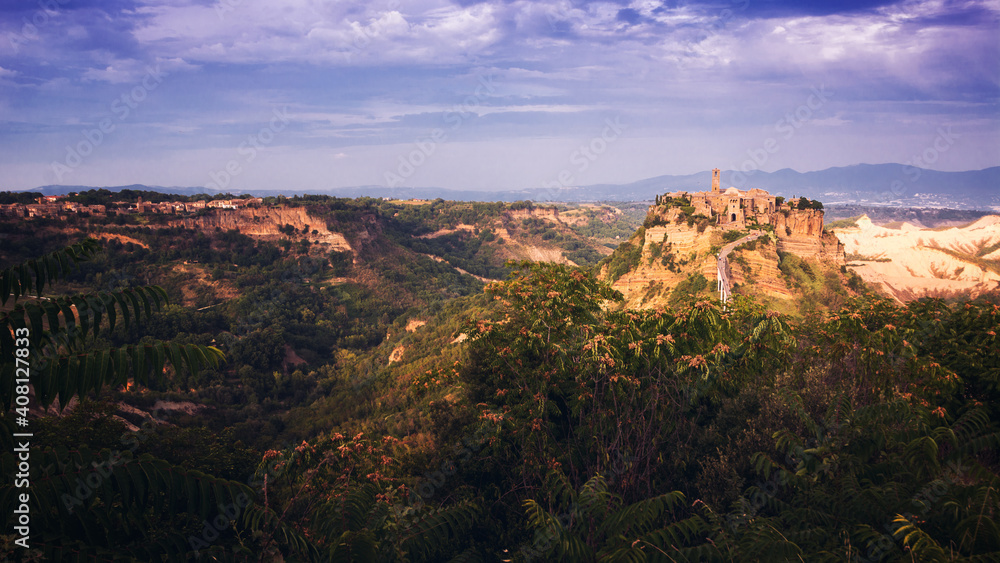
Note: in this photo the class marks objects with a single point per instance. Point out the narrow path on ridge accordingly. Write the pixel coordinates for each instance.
(725, 285)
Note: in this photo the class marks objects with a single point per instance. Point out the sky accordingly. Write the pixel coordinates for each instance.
(486, 95)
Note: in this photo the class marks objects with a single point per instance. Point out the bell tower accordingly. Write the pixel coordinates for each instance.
(715, 180)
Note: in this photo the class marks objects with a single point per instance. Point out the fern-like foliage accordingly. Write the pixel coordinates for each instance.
(101, 505)
(62, 320)
(432, 530)
(67, 322)
(358, 526)
(61, 364)
(33, 275)
(259, 517)
(105, 506)
(66, 376)
(885, 481)
(593, 524)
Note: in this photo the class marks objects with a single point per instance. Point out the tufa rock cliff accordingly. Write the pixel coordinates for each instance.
(800, 232)
(673, 246)
(265, 223)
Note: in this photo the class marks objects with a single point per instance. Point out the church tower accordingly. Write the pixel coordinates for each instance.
(715, 180)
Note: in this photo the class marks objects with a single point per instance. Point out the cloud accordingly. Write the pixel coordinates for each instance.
(132, 71)
(697, 80)
(259, 31)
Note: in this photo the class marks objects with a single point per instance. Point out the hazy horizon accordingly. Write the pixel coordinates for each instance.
(456, 189)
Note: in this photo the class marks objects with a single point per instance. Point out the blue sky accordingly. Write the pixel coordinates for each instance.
(313, 94)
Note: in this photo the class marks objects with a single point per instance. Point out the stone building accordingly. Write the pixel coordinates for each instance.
(731, 208)
(13, 210)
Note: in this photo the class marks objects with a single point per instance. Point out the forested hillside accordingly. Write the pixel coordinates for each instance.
(409, 394)
(291, 311)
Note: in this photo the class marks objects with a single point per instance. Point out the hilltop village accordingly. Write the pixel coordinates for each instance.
(734, 208)
(684, 232)
(56, 206)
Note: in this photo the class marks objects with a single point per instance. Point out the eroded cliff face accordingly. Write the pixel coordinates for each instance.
(264, 223)
(550, 214)
(672, 251)
(517, 250)
(758, 269)
(669, 255)
(800, 232)
(519, 247)
(800, 222)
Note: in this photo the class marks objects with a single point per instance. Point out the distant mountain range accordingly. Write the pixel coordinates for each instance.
(872, 184)
(848, 184)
